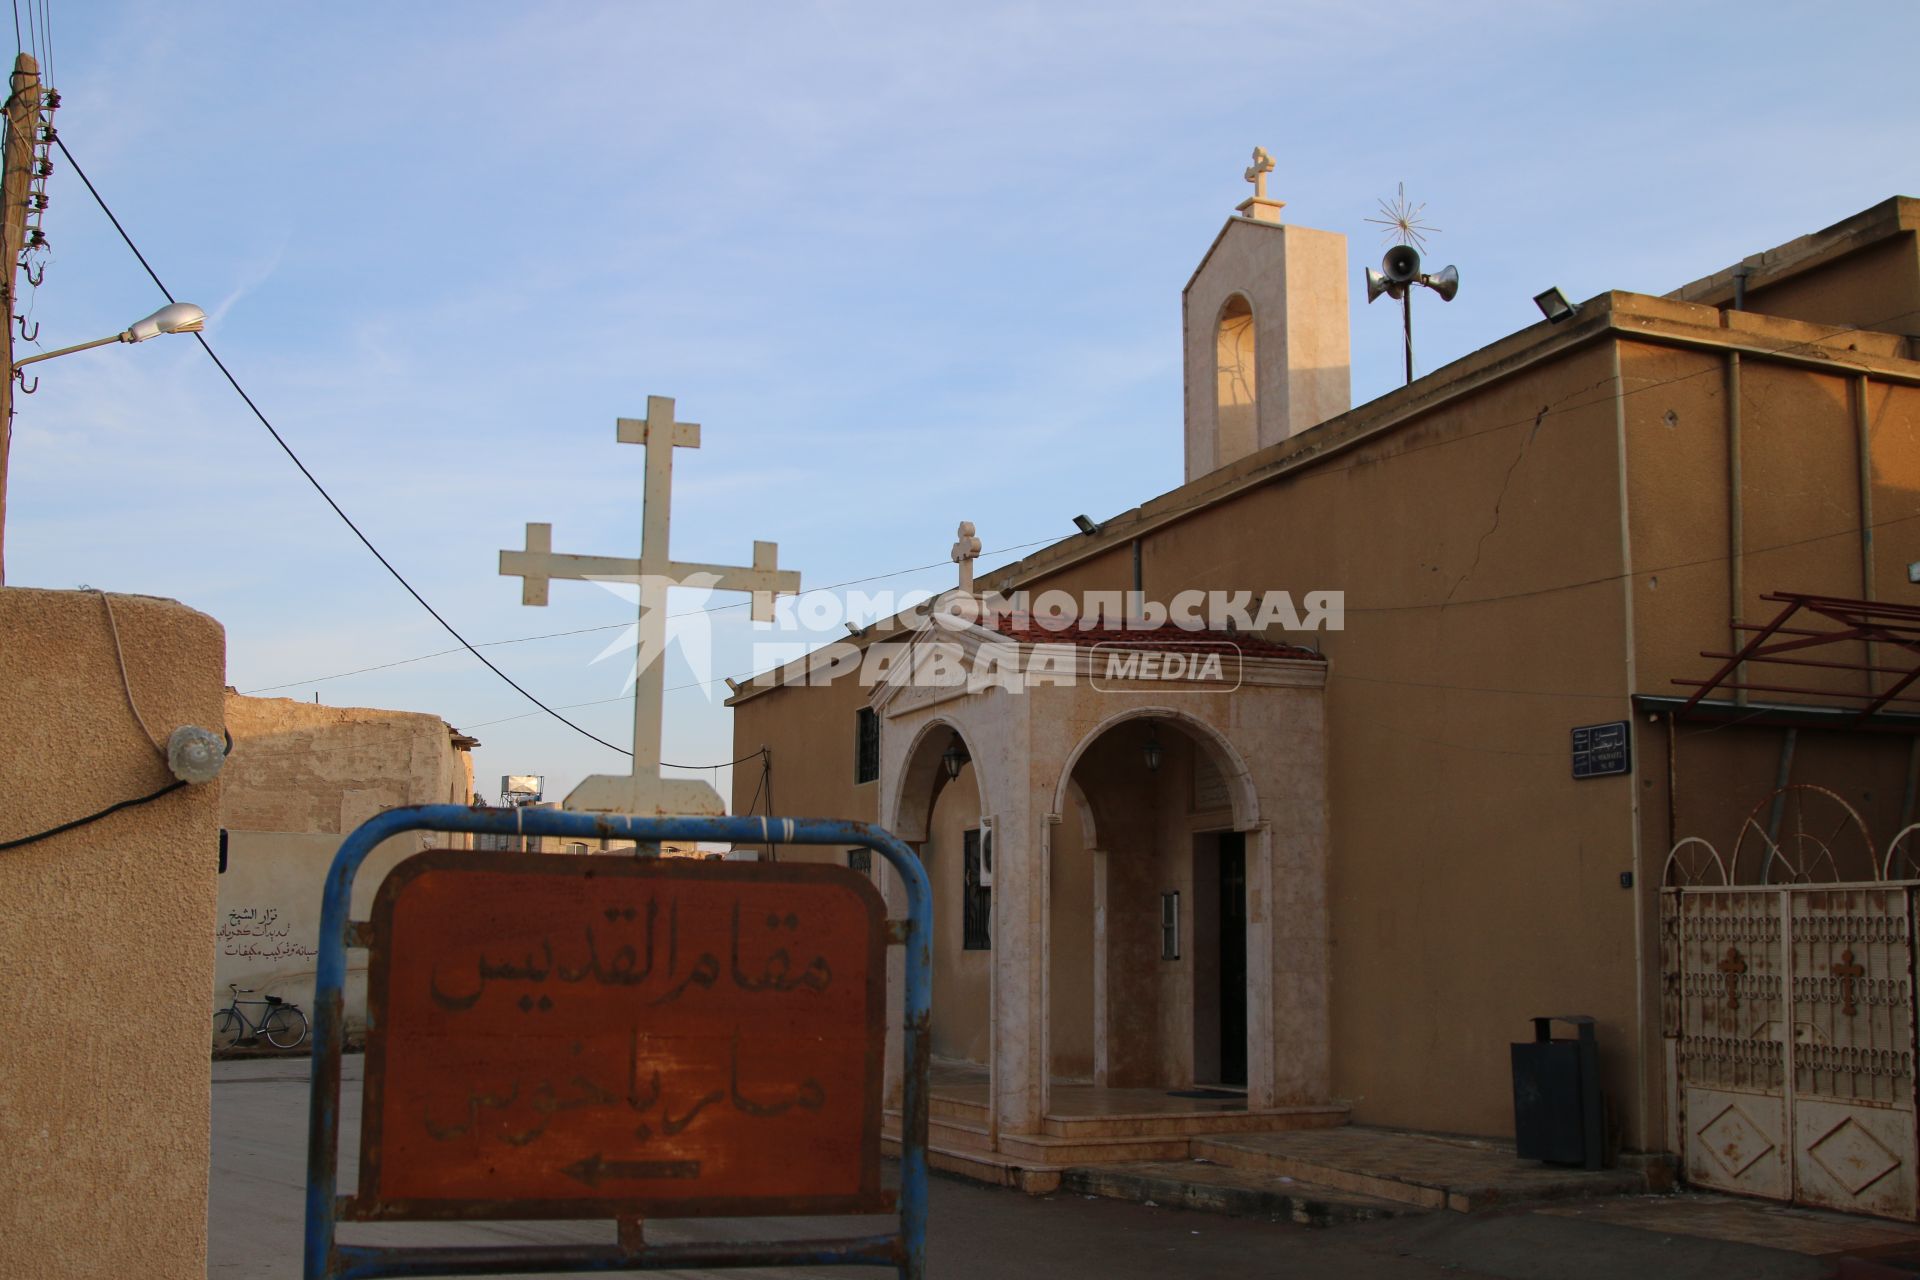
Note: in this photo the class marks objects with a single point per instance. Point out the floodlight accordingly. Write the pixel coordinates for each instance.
(1554, 306)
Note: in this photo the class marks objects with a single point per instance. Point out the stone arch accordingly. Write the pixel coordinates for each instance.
(1239, 778)
(910, 806)
(1236, 401)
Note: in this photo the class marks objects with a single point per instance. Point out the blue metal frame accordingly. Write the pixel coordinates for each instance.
(327, 1259)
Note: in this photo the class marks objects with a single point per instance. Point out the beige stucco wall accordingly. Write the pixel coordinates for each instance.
(107, 932)
(300, 779)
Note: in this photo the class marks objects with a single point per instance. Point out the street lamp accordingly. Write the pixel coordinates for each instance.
(175, 317)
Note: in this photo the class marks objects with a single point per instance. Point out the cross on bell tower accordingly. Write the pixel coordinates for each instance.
(644, 791)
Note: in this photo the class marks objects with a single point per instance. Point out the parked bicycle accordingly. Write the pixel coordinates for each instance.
(282, 1023)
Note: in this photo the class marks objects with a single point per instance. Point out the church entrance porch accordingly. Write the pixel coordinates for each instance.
(1131, 939)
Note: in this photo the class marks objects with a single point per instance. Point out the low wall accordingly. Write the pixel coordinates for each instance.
(268, 929)
(106, 936)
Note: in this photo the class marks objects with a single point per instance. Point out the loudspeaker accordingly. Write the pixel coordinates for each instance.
(1402, 264)
(1445, 282)
(1378, 284)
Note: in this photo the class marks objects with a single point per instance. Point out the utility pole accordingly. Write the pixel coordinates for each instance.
(23, 119)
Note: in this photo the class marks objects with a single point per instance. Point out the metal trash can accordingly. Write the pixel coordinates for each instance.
(1556, 1094)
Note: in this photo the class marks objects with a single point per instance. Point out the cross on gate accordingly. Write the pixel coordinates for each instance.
(644, 791)
(1847, 971)
(1733, 966)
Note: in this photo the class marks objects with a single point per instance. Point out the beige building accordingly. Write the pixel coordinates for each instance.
(1342, 886)
(300, 778)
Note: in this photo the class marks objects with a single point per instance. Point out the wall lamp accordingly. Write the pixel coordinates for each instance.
(1554, 306)
(1152, 750)
(954, 756)
(1086, 526)
(175, 317)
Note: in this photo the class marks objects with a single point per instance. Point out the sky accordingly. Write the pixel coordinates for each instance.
(904, 265)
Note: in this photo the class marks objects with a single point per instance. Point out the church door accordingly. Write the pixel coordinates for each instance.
(1233, 958)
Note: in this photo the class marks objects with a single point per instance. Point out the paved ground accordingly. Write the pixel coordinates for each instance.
(259, 1110)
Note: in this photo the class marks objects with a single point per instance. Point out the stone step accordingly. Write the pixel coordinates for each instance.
(1040, 1148)
(973, 1113)
(1047, 1149)
(1189, 1184)
(994, 1169)
(1168, 1124)
(1428, 1173)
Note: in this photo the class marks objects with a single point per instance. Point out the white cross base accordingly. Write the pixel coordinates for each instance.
(646, 797)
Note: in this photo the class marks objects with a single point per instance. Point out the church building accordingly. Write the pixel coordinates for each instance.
(1618, 720)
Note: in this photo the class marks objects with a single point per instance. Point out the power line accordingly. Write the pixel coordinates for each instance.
(614, 626)
(201, 338)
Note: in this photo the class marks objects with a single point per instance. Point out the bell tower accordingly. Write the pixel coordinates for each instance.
(1264, 321)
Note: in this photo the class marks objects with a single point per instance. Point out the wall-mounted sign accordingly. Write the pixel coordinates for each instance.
(567, 1037)
(1602, 749)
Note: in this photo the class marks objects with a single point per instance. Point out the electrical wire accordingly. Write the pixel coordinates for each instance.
(318, 487)
(615, 626)
(173, 786)
(126, 681)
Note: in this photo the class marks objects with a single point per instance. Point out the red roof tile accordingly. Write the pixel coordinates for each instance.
(1167, 638)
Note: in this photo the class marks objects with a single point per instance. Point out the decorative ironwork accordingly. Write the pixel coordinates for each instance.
(1807, 831)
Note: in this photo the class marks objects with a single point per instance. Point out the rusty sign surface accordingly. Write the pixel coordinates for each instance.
(566, 1036)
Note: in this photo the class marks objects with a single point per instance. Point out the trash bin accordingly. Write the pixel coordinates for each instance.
(1556, 1094)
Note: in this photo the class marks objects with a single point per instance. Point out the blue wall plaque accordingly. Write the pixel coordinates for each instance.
(1602, 749)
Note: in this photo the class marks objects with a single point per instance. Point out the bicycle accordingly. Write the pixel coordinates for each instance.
(284, 1026)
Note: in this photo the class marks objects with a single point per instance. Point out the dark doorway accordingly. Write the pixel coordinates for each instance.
(1233, 958)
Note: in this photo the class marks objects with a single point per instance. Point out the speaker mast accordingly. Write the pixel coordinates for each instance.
(1400, 268)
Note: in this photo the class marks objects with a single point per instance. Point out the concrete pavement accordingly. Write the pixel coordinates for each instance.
(979, 1233)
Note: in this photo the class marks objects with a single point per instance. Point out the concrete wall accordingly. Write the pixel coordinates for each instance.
(106, 931)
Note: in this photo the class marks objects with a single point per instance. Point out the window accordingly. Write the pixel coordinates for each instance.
(976, 891)
(860, 860)
(866, 747)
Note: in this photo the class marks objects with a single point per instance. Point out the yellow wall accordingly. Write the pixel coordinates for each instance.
(106, 934)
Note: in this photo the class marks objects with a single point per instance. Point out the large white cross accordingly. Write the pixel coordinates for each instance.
(644, 791)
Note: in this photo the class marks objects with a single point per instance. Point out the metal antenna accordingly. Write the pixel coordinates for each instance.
(1400, 269)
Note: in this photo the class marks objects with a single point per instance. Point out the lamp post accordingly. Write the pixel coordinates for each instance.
(175, 317)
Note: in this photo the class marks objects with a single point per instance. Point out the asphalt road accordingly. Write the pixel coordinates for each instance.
(976, 1233)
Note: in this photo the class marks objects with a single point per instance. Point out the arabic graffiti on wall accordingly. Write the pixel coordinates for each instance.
(258, 933)
(646, 1033)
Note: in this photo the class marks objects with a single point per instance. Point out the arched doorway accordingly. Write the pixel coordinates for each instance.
(940, 810)
(1160, 807)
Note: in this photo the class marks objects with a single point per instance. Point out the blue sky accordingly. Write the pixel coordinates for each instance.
(905, 265)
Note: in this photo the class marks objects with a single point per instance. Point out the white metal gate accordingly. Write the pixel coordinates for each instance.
(1789, 1011)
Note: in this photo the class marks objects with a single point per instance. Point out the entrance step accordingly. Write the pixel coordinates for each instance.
(996, 1169)
(1412, 1169)
(1193, 1184)
(1167, 1124)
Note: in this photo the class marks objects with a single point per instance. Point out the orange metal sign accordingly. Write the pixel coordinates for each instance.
(568, 1036)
